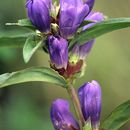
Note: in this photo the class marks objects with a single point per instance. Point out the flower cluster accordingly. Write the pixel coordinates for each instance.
(60, 23)
(90, 100)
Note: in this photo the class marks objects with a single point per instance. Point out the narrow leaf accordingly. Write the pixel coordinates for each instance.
(100, 29)
(26, 23)
(32, 44)
(32, 74)
(23, 23)
(85, 22)
(118, 117)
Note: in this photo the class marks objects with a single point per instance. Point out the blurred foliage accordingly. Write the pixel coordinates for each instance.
(27, 106)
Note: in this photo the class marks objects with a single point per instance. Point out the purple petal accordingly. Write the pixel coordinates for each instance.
(81, 52)
(38, 13)
(76, 50)
(58, 50)
(90, 3)
(85, 49)
(90, 99)
(95, 17)
(61, 116)
(48, 3)
(72, 13)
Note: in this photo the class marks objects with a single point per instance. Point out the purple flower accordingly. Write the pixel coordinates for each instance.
(38, 13)
(61, 116)
(58, 50)
(83, 50)
(90, 99)
(72, 14)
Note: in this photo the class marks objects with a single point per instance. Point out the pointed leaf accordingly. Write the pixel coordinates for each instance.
(32, 44)
(32, 74)
(118, 117)
(100, 29)
(23, 23)
(85, 22)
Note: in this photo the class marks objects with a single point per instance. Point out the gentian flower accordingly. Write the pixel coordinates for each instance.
(38, 13)
(79, 52)
(72, 14)
(58, 50)
(83, 50)
(61, 116)
(86, 48)
(90, 100)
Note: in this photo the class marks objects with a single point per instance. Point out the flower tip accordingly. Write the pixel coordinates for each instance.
(38, 13)
(58, 50)
(61, 116)
(95, 83)
(90, 99)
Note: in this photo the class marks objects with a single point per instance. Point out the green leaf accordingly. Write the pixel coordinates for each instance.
(32, 44)
(100, 29)
(23, 23)
(32, 74)
(14, 38)
(118, 117)
(85, 22)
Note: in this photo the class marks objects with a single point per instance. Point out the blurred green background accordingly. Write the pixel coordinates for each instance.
(27, 106)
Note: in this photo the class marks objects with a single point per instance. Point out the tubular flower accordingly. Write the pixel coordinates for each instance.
(72, 14)
(86, 48)
(61, 116)
(90, 99)
(38, 13)
(58, 50)
(79, 52)
(83, 50)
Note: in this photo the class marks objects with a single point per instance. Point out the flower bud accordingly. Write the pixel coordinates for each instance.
(61, 116)
(58, 50)
(83, 50)
(38, 13)
(90, 100)
(72, 14)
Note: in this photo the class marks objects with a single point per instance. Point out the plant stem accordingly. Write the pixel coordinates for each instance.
(76, 103)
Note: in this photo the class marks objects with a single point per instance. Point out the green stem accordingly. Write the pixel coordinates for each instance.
(76, 103)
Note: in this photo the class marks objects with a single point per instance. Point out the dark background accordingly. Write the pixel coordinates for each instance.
(27, 106)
